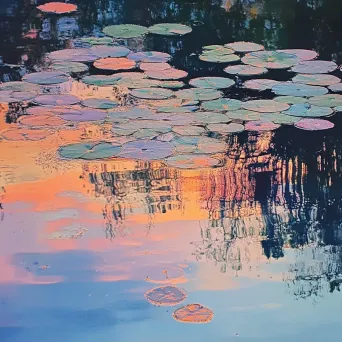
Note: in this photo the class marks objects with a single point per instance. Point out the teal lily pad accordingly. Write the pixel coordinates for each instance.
(188, 130)
(101, 80)
(99, 103)
(69, 67)
(171, 84)
(218, 49)
(314, 67)
(152, 93)
(200, 94)
(226, 128)
(291, 99)
(95, 40)
(192, 161)
(212, 82)
(196, 144)
(328, 100)
(303, 55)
(279, 118)
(125, 31)
(338, 109)
(46, 77)
(316, 79)
(270, 59)
(260, 84)
(205, 118)
(103, 51)
(89, 151)
(244, 70)
(245, 47)
(243, 115)
(137, 82)
(265, 106)
(150, 57)
(307, 110)
(214, 56)
(177, 109)
(298, 89)
(221, 105)
(133, 114)
(166, 29)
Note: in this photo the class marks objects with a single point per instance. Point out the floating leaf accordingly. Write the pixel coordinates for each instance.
(69, 67)
(221, 105)
(245, 47)
(314, 67)
(41, 121)
(82, 114)
(154, 66)
(167, 74)
(261, 126)
(95, 40)
(57, 8)
(260, 84)
(244, 70)
(204, 118)
(23, 134)
(56, 100)
(150, 57)
(226, 129)
(191, 161)
(196, 144)
(146, 150)
(146, 133)
(99, 103)
(103, 51)
(243, 115)
(46, 77)
(279, 118)
(165, 296)
(200, 94)
(307, 110)
(170, 29)
(291, 99)
(304, 55)
(193, 313)
(89, 151)
(328, 100)
(171, 84)
(314, 124)
(188, 130)
(133, 114)
(222, 55)
(316, 80)
(152, 93)
(336, 88)
(125, 31)
(9, 96)
(101, 80)
(136, 80)
(114, 64)
(265, 106)
(177, 109)
(297, 89)
(17, 86)
(212, 82)
(218, 49)
(270, 59)
(73, 55)
(179, 119)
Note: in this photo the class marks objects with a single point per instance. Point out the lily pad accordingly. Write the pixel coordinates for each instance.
(150, 57)
(146, 133)
(212, 82)
(101, 80)
(291, 99)
(167, 74)
(243, 115)
(219, 56)
(221, 105)
(24, 134)
(41, 121)
(170, 29)
(57, 8)
(73, 55)
(69, 67)
(96, 40)
(316, 79)
(198, 145)
(152, 93)
(298, 89)
(270, 59)
(279, 118)
(336, 88)
(89, 151)
(146, 150)
(193, 313)
(191, 161)
(304, 55)
(138, 82)
(133, 114)
(100, 103)
(328, 100)
(261, 126)
(244, 70)
(189, 130)
(205, 118)
(178, 119)
(314, 67)
(46, 77)
(82, 114)
(154, 66)
(200, 94)
(177, 109)
(245, 47)
(260, 84)
(125, 31)
(9, 96)
(112, 63)
(19, 86)
(165, 296)
(314, 124)
(103, 51)
(307, 110)
(56, 100)
(226, 129)
(171, 84)
(265, 106)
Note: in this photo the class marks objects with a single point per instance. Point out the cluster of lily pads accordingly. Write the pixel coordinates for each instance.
(168, 116)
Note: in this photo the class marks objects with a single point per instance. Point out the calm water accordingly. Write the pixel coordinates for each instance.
(257, 240)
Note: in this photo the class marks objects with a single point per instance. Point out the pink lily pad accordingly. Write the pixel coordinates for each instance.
(314, 124)
(168, 74)
(56, 100)
(57, 8)
(261, 126)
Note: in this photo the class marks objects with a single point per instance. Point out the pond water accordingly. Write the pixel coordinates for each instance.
(128, 206)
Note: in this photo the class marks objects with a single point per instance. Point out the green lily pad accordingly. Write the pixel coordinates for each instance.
(260, 84)
(298, 89)
(46, 77)
(152, 93)
(191, 161)
(212, 82)
(200, 94)
(316, 79)
(243, 115)
(336, 88)
(125, 31)
(167, 74)
(307, 110)
(171, 84)
(150, 57)
(226, 129)
(196, 144)
(291, 99)
(177, 109)
(188, 130)
(314, 124)
(265, 106)
(103, 51)
(213, 56)
(261, 126)
(99, 103)
(89, 151)
(328, 100)
(136, 80)
(244, 70)
(101, 80)
(69, 67)
(167, 29)
(270, 59)
(245, 47)
(279, 118)
(314, 67)
(205, 118)
(221, 105)
(219, 49)
(304, 55)
(146, 133)
(95, 40)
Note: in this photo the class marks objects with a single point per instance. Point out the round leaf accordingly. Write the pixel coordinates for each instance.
(245, 47)
(270, 59)
(46, 78)
(212, 82)
(99, 103)
(314, 67)
(265, 106)
(316, 80)
(304, 55)
(328, 100)
(297, 89)
(170, 29)
(260, 84)
(307, 110)
(125, 31)
(261, 126)
(200, 94)
(314, 124)
(57, 8)
(150, 57)
(152, 93)
(221, 105)
(244, 70)
(56, 100)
